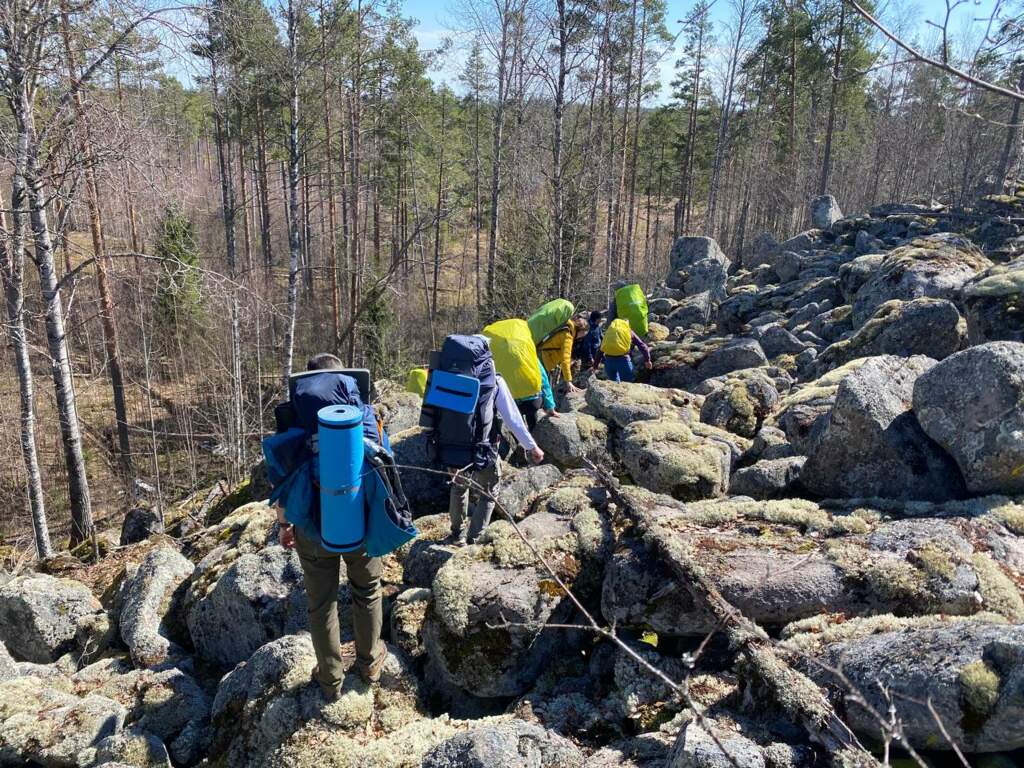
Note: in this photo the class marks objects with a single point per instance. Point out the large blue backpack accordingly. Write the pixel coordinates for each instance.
(464, 439)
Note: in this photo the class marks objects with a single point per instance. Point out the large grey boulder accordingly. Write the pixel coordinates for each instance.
(734, 356)
(510, 744)
(936, 266)
(571, 438)
(41, 616)
(692, 312)
(788, 560)
(825, 212)
(150, 618)
(267, 712)
(972, 404)
(42, 725)
(971, 674)
(698, 265)
(767, 479)
(258, 598)
(929, 327)
(696, 748)
(484, 630)
(8, 666)
(741, 405)
(994, 302)
(803, 412)
(427, 491)
(399, 410)
(131, 747)
(519, 487)
(871, 444)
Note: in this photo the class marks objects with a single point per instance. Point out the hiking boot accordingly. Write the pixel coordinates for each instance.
(371, 674)
(331, 694)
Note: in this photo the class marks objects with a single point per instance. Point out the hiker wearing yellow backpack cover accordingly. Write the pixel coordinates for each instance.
(556, 350)
(515, 357)
(616, 346)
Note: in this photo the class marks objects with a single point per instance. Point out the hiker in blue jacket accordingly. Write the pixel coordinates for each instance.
(590, 345)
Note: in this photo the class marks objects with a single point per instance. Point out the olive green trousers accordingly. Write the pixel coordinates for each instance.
(322, 572)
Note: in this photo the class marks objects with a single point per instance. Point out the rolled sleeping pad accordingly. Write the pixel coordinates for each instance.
(342, 507)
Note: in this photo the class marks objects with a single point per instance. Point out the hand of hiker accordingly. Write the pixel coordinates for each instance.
(648, 365)
(553, 414)
(571, 388)
(288, 536)
(536, 455)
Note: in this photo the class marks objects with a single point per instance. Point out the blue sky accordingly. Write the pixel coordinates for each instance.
(435, 23)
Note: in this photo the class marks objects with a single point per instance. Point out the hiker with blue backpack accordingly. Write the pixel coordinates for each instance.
(465, 404)
(338, 497)
(590, 345)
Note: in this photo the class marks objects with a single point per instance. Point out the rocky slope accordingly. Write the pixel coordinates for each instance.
(817, 512)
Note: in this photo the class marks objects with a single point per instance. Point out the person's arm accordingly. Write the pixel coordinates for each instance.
(547, 396)
(567, 356)
(644, 349)
(512, 417)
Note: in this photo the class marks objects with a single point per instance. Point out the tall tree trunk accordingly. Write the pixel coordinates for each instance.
(439, 211)
(103, 265)
(631, 210)
(332, 211)
(56, 337)
(12, 270)
(558, 236)
(294, 243)
(1012, 141)
(826, 161)
(499, 126)
(263, 184)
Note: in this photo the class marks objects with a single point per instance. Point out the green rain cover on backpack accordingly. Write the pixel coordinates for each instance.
(631, 305)
(549, 318)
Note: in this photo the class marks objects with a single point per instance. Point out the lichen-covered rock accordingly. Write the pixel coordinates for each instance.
(776, 340)
(741, 405)
(698, 266)
(521, 486)
(936, 266)
(802, 412)
(510, 743)
(622, 404)
(150, 619)
(249, 528)
(972, 404)
(491, 601)
(733, 356)
(692, 312)
(872, 445)
(168, 703)
(399, 410)
(42, 617)
(782, 561)
(688, 461)
(768, 479)
(971, 673)
(696, 748)
(573, 437)
(257, 598)
(131, 747)
(994, 304)
(139, 524)
(41, 725)
(8, 666)
(929, 327)
(267, 711)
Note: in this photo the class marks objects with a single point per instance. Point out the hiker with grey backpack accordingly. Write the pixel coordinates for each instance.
(465, 405)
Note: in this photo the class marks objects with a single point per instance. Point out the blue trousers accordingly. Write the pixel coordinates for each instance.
(619, 368)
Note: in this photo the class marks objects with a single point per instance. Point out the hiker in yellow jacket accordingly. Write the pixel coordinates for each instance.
(556, 350)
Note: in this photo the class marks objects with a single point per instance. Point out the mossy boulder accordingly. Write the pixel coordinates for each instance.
(971, 674)
(994, 304)
(484, 630)
(571, 438)
(505, 743)
(783, 561)
(688, 461)
(741, 404)
(43, 617)
(151, 621)
(802, 412)
(929, 327)
(935, 266)
(622, 404)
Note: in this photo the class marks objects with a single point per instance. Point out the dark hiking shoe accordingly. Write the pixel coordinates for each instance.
(330, 693)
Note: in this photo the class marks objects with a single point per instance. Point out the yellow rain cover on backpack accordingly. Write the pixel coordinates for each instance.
(515, 356)
(617, 339)
(416, 381)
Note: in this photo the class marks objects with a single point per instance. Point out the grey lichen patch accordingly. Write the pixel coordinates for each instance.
(810, 635)
(798, 513)
(896, 581)
(998, 592)
(453, 593)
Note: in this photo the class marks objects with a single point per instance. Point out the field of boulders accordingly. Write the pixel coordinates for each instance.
(808, 517)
